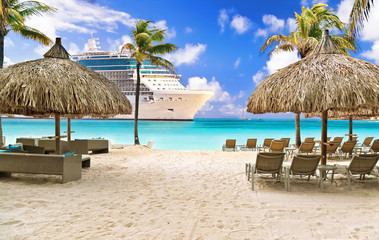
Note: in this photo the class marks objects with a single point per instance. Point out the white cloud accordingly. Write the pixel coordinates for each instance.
(237, 63)
(275, 24)
(241, 94)
(240, 24)
(73, 49)
(188, 30)
(197, 83)
(223, 19)
(41, 50)
(276, 62)
(231, 109)
(79, 16)
(373, 53)
(258, 77)
(162, 24)
(8, 42)
(116, 44)
(187, 55)
(261, 33)
(7, 62)
(310, 3)
(344, 10)
(281, 60)
(291, 24)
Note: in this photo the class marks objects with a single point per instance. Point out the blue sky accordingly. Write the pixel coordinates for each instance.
(219, 41)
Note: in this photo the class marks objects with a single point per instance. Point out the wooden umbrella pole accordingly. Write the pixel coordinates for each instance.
(69, 129)
(57, 134)
(350, 128)
(324, 135)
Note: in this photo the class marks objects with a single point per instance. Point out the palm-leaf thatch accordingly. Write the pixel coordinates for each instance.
(324, 80)
(57, 85)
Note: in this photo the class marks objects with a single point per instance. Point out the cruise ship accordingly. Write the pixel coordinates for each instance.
(162, 96)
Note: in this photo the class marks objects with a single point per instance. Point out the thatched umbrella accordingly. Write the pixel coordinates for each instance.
(57, 86)
(325, 80)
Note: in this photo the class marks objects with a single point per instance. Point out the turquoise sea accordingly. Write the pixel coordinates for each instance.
(200, 134)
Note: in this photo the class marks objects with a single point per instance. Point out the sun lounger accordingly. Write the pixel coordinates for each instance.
(286, 141)
(266, 144)
(277, 146)
(69, 167)
(251, 144)
(360, 165)
(346, 149)
(85, 146)
(306, 147)
(302, 165)
(267, 164)
(338, 139)
(309, 139)
(331, 148)
(367, 142)
(230, 145)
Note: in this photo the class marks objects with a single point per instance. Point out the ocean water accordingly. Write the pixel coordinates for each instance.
(200, 134)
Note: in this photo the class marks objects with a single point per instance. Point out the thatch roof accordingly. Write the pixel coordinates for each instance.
(327, 79)
(55, 85)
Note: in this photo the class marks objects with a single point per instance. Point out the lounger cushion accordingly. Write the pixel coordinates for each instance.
(67, 154)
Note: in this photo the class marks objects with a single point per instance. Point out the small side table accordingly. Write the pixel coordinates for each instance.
(324, 170)
(289, 152)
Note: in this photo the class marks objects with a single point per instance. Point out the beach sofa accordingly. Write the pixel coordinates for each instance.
(49, 145)
(28, 141)
(84, 146)
(70, 167)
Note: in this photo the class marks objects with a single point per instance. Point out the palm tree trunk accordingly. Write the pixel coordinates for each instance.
(136, 107)
(297, 126)
(1, 66)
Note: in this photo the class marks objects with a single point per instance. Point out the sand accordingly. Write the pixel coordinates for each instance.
(139, 193)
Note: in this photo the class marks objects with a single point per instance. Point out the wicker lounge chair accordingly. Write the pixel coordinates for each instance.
(361, 165)
(332, 148)
(338, 139)
(286, 141)
(346, 149)
(277, 146)
(267, 164)
(367, 142)
(302, 165)
(251, 144)
(230, 145)
(306, 147)
(309, 139)
(375, 146)
(267, 144)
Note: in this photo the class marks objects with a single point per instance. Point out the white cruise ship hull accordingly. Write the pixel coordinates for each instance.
(181, 106)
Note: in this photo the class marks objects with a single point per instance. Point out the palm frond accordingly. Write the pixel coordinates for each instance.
(143, 41)
(162, 62)
(359, 14)
(158, 35)
(31, 33)
(128, 46)
(33, 8)
(162, 48)
(283, 48)
(14, 17)
(275, 39)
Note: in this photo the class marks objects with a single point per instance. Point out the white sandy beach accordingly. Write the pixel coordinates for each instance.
(138, 193)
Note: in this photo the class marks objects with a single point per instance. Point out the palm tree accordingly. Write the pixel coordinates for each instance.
(143, 49)
(359, 14)
(12, 16)
(310, 24)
